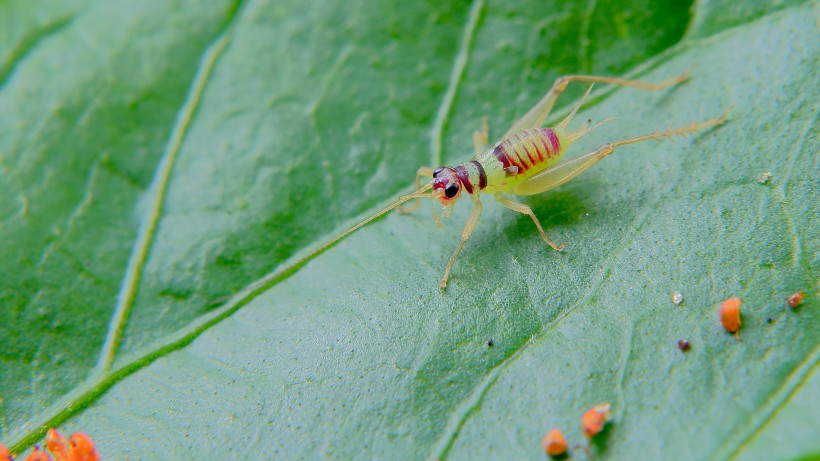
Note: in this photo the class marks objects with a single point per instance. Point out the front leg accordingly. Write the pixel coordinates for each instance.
(465, 234)
(424, 171)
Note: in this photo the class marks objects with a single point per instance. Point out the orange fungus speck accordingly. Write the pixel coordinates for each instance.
(593, 421)
(795, 299)
(554, 443)
(82, 448)
(4, 453)
(57, 445)
(37, 455)
(78, 448)
(730, 315)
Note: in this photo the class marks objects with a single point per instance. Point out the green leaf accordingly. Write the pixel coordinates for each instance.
(155, 158)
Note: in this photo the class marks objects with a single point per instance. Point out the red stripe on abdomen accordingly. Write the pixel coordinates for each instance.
(554, 147)
(527, 148)
(502, 153)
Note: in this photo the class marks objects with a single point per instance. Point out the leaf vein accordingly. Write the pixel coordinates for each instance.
(475, 399)
(782, 193)
(27, 46)
(780, 397)
(446, 107)
(583, 33)
(157, 192)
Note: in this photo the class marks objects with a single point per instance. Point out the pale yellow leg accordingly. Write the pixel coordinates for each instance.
(481, 138)
(521, 208)
(424, 171)
(465, 234)
(675, 131)
(535, 117)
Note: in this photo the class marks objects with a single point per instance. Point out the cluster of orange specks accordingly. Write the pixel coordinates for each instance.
(4, 453)
(593, 422)
(78, 447)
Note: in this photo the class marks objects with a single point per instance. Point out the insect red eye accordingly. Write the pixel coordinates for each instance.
(451, 190)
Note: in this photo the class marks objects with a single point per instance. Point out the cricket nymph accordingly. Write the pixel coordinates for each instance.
(525, 161)
(508, 163)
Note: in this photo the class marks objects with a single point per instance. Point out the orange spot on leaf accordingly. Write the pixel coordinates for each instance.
(554, 443)
(795, 299)
(594, 420)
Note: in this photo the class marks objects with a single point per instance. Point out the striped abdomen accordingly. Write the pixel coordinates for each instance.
(528, 149)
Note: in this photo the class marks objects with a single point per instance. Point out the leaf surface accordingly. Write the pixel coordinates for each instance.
(156, 158)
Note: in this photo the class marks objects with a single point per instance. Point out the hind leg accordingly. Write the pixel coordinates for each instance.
(535, 117)
(563, 172)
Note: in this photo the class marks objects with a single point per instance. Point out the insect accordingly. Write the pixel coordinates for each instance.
(524, 162)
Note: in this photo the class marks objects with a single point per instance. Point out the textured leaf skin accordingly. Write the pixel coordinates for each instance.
(312, 115)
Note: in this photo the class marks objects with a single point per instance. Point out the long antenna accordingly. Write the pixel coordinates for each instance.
(267, 280)
(404, 198)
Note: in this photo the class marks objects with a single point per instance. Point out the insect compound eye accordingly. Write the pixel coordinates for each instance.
(451, 190)
(437, 171)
